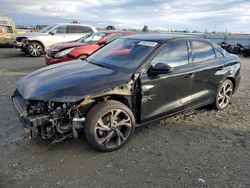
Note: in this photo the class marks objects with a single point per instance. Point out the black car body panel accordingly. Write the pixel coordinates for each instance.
(79, 86)
(188, 86)
(155, 102)
(69, 82)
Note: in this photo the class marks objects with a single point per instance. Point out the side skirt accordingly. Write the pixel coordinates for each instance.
(169, 115)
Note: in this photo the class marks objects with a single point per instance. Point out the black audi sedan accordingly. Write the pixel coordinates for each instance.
(130, 82)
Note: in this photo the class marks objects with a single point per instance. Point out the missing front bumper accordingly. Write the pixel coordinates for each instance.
(28, 123)
(20, 105)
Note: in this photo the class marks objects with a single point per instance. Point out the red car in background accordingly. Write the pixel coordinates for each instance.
(83, 47)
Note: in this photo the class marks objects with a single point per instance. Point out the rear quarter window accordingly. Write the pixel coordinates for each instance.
(218, 53)
(202, 51)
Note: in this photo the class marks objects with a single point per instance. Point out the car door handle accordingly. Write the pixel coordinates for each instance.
(190, 75)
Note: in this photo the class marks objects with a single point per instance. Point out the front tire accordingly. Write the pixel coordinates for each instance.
(109, 125)
(35, 49)
(224, 95)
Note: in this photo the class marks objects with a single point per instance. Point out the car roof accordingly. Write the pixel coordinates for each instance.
(76, 24)
(160, 37)
(73, 24)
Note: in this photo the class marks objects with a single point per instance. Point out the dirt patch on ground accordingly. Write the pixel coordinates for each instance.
(200, 148)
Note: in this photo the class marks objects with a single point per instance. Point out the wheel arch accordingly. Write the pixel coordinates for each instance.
(129, 102)
(232, 79)
(30, 41)
(124, 99)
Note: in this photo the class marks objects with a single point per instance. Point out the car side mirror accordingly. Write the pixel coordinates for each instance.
(102, 43)
(160, 68)
(52, 32)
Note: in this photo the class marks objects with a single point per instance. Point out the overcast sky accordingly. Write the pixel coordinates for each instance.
(219, 15)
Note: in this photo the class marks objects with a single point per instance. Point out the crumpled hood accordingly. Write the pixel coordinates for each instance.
(69, 82)
(65, 45)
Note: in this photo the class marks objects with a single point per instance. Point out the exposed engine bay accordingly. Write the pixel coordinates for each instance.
(51, 120)
(54, 120)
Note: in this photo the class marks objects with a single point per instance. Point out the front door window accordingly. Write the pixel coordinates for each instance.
(174, 54)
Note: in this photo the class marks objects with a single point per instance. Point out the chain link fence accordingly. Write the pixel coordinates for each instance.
(233, 39)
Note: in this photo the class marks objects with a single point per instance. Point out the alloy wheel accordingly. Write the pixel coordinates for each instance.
(225, 94)
(113, 128)
(35, 50)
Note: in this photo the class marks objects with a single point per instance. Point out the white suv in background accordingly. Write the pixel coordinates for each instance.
(36, 43)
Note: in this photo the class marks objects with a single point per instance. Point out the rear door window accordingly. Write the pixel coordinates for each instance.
(86, 29)
(79, 29)
(202, 51)
(174, 54)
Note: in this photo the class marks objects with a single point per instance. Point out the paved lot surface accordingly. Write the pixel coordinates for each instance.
(201, 148)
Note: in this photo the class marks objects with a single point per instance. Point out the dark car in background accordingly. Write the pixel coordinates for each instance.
(238, 49)
(130, 82)
(83, 47)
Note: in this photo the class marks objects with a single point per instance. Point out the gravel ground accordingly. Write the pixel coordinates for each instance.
(200, 148)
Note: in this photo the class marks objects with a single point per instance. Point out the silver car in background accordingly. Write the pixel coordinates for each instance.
(37, 43)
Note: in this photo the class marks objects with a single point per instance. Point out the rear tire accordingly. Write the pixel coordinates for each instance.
(35, 49)
(224, 95)
(109, 125)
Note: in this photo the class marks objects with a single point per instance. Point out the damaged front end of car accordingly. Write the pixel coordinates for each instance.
(54, 101)
(49, 120)
(57, 121)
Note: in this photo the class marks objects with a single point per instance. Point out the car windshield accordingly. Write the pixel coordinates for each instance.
(47, 29)
(93, 37)
(123, 54)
